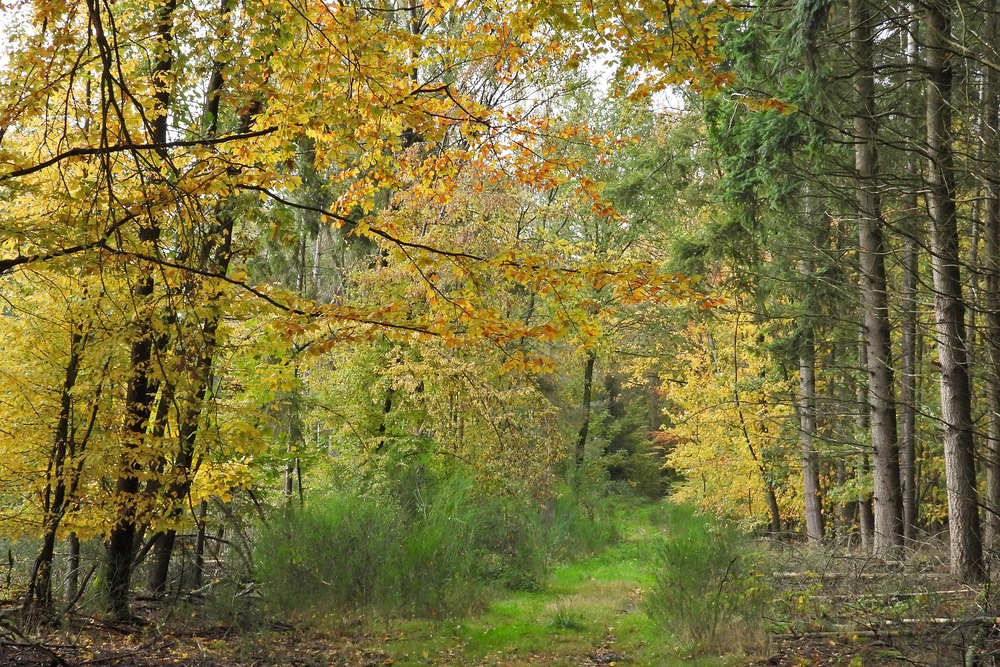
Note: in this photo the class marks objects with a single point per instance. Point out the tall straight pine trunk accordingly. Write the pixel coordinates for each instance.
(806, 405)
(908, 392)
(888, 509)
(949, 309)
(811, 491)
(991, 233)
(866, 517)
(909, 306)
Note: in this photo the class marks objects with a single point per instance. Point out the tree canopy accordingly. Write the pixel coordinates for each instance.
(256, 249)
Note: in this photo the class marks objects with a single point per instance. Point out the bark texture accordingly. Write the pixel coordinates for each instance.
(991, 233)
(588, 384)
(949, 309)
(807, 435)
(887, 498)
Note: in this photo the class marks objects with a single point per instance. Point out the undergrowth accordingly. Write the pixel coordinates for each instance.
(709, 590)
(439, 553)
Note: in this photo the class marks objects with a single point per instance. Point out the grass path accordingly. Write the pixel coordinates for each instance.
(589, 613)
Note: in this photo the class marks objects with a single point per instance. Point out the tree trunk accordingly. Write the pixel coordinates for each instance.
(866, 517)
(807, 432)
(773, 509)
(806, 409)
(39, 598)
(159, 561)
(295, 439)
(157, 570)
(991, 233)
(887, 497)
(72, 586)
(655, 407)
(140, 395)
(59, 489)
(949, 309)
(383, 424)
(118, 560)
(908, 392)
(910, 313)
(581, 440)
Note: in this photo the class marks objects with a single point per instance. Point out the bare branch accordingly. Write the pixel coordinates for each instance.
(123, 148)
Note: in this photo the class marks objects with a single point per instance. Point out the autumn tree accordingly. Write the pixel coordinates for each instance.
(732, 424)
(162, 160)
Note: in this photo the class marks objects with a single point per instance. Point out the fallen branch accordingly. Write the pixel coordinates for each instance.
(909, 624)
(56, 658)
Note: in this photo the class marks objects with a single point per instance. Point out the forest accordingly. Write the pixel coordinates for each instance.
(466, 332)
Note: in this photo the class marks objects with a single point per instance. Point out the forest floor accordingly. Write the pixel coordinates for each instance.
(830, 612)
(220, 646)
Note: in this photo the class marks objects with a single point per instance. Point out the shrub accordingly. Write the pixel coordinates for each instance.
(337, 552)
(580, 522)
(436, 562)
(435, 554)
(708, 589)
(509, 547)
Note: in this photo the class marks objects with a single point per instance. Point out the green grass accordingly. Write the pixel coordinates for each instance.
(586, 606)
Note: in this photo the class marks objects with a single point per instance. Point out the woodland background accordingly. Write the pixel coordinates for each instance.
(384, 304)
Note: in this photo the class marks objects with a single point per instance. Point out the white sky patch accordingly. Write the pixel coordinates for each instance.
(602, 72)
(11, 15)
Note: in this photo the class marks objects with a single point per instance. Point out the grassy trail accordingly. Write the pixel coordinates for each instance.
(589, 613)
